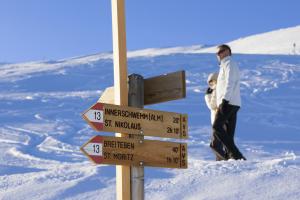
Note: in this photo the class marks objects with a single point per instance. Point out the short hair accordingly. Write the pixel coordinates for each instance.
(225, 46)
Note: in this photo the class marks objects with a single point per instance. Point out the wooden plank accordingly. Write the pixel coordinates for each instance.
(111, 118)
(165, 88)
(123, 187)
(156, 89)
(133, 152)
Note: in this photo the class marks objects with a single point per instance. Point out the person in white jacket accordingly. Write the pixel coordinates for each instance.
(211, 102)
(228, 103)
(211, 95)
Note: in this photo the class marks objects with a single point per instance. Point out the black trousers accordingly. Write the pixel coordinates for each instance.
(224, 129)
(217, 144)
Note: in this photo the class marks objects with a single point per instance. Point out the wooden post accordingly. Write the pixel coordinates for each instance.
(136, 99)
(123, 188)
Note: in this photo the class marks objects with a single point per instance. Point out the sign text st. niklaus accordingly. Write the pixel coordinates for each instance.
(114, 118)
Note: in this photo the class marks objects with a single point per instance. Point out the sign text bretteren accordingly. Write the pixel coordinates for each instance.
(125, 151)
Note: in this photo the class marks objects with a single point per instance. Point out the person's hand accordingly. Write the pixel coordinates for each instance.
(223, 106)
(209, 90)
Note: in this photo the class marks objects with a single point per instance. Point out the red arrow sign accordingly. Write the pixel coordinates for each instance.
(95, 116)
(93, 149)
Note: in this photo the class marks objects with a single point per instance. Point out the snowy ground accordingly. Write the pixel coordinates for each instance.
(41, 130)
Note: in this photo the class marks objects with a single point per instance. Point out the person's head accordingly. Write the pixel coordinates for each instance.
(212, 80)
(223, 51)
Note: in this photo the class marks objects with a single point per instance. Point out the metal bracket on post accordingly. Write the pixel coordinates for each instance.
(136, 99)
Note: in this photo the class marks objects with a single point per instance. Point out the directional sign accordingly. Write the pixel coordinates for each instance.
(125, 151)
(107, 96)
(114, 118)
(164, 88)
(157, 89)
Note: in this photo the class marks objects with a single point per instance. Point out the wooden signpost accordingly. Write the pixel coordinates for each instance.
(114, 118)
(123, 185)
(113, 114)
(134, 152)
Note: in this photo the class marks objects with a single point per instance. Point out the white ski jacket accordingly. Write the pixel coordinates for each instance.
(211, 99)
(211, 102)
(228, 86)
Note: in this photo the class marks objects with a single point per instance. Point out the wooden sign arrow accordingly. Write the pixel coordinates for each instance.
(125, 151)
(157, 89)
(115, 118)
(164, 88)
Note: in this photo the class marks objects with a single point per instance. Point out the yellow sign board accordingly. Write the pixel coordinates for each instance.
(115, 118)
(134, 152)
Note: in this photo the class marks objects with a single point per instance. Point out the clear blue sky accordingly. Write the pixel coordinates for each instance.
(54, 29)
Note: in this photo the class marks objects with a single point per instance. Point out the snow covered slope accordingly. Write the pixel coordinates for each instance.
(278, 42)
(23, 70)
(283, 41)
(41, 130)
